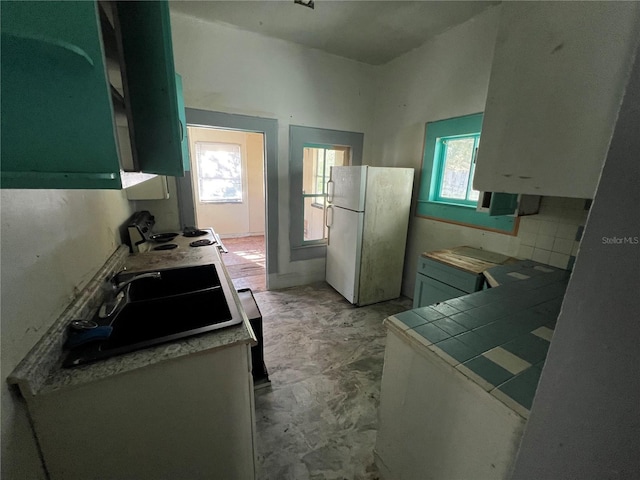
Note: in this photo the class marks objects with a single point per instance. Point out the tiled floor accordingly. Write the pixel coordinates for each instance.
(246, 262)
(318, 418)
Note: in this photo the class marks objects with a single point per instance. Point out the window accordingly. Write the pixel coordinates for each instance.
(219, 172)
(446, 186)
(317, 163)
(312, 153)
(455, 166)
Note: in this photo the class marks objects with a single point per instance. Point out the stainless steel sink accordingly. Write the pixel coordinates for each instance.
(173, 281)
(183, 302)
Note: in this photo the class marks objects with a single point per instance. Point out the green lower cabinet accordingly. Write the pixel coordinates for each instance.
(437, 282)
(429, 291)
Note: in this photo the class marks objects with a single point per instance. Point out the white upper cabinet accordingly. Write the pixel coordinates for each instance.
(557, 80)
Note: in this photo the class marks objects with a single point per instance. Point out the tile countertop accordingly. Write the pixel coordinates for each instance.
(499, 337)
(40, 372)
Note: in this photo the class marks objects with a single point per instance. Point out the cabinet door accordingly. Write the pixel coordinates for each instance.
(429, 291)
(57, 117)
(559, 70)
(183, 125)
(148, 56)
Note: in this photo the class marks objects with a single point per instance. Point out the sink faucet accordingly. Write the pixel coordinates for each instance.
(119, 287)
(116, 296)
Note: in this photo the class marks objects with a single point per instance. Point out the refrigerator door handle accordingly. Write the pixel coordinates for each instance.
(329, 218)
(330, 189)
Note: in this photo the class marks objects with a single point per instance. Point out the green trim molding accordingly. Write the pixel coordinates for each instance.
(449, 212)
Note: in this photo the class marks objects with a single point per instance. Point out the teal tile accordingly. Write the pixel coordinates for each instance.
(478, 299)
(529, 347)
(468, 321)
(410, 319)
(428, 313)
(490, 371)
(477, 342)
(449, 326)
(495, 332)
(432, 333)
(456, 349)
(522, 388)
(445, 309)
(531, 375)
(487, 313)
(459, 304)
(517, 326)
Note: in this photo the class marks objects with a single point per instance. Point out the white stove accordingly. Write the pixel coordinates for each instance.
(142, 237)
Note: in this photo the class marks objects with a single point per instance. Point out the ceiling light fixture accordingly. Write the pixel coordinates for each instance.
(306, 3)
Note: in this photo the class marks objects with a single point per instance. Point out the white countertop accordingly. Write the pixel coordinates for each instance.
(41, 372)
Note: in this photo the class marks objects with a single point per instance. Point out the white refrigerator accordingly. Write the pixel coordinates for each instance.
(367, 220)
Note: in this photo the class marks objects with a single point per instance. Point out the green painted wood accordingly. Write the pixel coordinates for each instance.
(148, 55)
(57, 126)
(427, 204)
(186, 164)
(429, 291)
(465, 281)
(503, 203)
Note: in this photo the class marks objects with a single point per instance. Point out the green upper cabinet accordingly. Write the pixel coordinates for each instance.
(57, 119)
(151, 77)
(183, 125)
(66, 123)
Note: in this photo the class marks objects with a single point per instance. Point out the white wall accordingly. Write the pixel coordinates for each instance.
(53, 242)
(228, 70)
(448, 77)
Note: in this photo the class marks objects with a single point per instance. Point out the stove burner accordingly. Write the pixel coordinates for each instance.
(194, 233)
(166, 246)
(202, 243)
(163, 237)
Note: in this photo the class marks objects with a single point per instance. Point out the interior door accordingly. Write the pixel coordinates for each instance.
(344, 248)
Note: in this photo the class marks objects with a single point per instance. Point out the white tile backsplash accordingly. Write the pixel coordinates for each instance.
(548, 228)
(550, 236)
(562, 245)
(545, 242)
(559, 260)
(540, 255)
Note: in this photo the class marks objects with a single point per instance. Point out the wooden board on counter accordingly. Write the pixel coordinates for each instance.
(469, 259)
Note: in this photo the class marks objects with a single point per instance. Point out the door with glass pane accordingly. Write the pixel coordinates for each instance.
(317, 163)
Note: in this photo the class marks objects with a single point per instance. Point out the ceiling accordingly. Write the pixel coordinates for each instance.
(372, 32)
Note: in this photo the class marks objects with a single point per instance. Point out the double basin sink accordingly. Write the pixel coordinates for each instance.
(177, 303)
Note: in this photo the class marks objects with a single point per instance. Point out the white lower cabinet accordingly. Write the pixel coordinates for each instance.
(436, 424)
(185, 418)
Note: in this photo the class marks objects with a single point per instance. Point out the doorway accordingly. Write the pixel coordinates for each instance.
(227, 174)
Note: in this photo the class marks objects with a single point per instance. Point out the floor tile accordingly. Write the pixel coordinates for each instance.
(318, 418)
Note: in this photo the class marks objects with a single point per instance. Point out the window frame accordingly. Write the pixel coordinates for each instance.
(451, 211)
(299, 138)
(199, 177)
(439, 168)
(325, 174)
